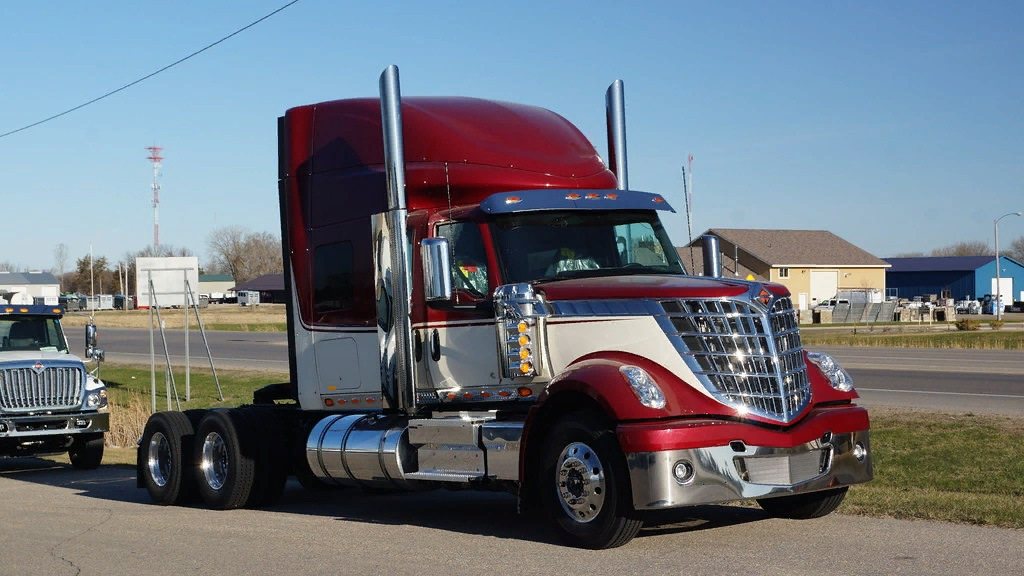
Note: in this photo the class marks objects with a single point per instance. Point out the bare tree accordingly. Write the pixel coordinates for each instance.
(1016, 250)
(908, 255)
(60, 258)
(244, 255)
(969, 248)
(6, 266)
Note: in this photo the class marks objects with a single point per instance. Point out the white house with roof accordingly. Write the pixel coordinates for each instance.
(28, 287)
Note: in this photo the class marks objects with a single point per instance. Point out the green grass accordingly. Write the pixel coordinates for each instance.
(955, 468)
(991, 340)
(125, 382)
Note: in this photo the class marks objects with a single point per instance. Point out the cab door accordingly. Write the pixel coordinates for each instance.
(460, 340)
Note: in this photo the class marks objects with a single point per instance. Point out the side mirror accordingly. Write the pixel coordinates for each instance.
(91, 351)
(437, 269)
(90, 336)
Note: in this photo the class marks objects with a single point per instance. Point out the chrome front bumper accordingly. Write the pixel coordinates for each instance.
(53, 424)
(673, 478)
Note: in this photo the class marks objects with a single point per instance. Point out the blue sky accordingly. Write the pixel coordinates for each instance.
(896, 125)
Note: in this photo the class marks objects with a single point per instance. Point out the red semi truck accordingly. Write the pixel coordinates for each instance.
(477, 301)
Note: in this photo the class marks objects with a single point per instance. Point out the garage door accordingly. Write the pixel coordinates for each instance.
(824, 285)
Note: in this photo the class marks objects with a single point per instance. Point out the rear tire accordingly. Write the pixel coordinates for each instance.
(86, 451)
(585, 486)
(804, 506)
(225, 460)
(165, 458)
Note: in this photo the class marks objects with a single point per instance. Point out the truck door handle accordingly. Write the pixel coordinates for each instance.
(435, 345)
(417, 346)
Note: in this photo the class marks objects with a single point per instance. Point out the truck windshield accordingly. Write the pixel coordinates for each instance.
(582, 243)
(35, 333)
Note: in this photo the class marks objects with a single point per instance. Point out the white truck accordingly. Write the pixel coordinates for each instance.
(49, 402)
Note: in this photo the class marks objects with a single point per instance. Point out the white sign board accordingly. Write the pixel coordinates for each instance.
(168, 275)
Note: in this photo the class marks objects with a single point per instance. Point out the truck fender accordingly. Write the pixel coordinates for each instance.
(594, 383)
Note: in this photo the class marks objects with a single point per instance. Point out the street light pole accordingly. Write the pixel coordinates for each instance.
(999, 295)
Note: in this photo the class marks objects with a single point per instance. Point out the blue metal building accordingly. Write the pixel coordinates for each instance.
(957, 277)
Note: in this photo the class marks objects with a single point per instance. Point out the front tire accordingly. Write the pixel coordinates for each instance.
(225, 463)
(86, 451)
(585, 486)
(804, 506)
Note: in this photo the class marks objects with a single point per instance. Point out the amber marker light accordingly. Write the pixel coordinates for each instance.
(504, 393)
(524, 392)
(328, 402)
(513, 200)
(611, 196)
(573, 196)
(593, 196)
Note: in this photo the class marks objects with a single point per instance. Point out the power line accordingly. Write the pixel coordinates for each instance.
(148, 76)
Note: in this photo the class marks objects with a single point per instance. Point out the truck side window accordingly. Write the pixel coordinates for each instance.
(333, 287)
(469, 261)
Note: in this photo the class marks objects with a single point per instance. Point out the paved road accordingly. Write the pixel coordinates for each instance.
(59, 521)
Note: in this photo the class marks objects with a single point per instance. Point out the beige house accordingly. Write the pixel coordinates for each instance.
(814, 264)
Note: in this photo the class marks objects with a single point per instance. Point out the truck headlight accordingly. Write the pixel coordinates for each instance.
(96, 399)
(95, 394)
(644, 387)
(837, 376)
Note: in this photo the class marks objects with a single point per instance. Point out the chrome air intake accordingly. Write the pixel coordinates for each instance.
(745, 352)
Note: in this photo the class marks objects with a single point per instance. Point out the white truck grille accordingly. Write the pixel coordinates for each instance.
(49, 388)
(747, 357)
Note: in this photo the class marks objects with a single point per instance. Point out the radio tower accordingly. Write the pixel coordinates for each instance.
(155, 158)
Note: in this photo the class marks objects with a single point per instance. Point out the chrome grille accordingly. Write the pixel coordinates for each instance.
(746, 356)
(52, 388)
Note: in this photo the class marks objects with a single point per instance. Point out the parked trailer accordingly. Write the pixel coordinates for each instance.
(542, 338)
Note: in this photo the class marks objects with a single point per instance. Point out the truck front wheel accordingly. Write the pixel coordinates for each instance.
(585, 486)
(804, 506)
(226, 463)
(86, 451)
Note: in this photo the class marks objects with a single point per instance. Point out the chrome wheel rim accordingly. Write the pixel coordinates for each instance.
(215, 461)
(580, 482)
(158, 460)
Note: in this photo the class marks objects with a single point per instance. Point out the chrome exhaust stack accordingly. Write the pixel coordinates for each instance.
(615, 116)
(712, 256)
(391, 281)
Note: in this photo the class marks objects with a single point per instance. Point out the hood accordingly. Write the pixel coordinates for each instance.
(38, 355)
(648, 286)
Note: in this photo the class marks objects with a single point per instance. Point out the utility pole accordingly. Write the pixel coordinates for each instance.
(155, 158)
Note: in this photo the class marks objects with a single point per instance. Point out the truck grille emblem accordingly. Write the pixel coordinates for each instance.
(764, 297)
(38, 367)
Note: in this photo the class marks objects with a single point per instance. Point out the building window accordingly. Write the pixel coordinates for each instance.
(783, 272)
